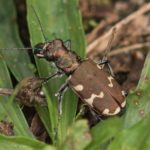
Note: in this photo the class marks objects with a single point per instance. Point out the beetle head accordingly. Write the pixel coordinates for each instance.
(48, 50)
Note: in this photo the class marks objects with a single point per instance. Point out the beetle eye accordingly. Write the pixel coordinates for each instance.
(38, 47)
(38, 50)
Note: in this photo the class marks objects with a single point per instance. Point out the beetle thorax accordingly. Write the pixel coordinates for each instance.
(67, 61)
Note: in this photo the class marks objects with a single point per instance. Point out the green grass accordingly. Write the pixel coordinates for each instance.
(62, 19)
(65, 23)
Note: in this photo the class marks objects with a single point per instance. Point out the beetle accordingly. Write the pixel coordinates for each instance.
(95, 87)
(28, 92)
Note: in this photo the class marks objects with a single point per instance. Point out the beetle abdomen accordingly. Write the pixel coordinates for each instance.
(97, 88)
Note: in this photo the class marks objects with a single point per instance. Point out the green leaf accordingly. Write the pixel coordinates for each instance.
(78, 136)
(60, 19)
(21, 143)
(9, 110)
(19, 64)
(17, 60)
(133, 138)
(103, 132)
(139, 100)
(44, 116)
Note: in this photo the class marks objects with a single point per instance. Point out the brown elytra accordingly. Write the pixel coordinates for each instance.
(97, 88)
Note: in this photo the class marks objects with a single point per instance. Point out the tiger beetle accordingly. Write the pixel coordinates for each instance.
(87, 79)
(94, 86)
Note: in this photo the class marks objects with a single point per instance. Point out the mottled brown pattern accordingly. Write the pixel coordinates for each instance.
(66, 61)
(6, 128)
(29, 91)
(95, 80)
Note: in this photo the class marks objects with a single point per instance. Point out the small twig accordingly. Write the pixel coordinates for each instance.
(6, 92)
(118, 26)
(129, 48)
(90, 37)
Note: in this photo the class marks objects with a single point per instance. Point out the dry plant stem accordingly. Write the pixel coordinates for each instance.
(118, 27)
(126, 49)
(6, 92)
(91, 36)
(100, 28)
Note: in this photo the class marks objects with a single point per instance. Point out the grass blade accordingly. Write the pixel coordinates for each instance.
(134, 137)
(59, 19)
(103, 132)
(139, 104)
(22, 143)
(9, 110)
(78, 136)
(17, 60)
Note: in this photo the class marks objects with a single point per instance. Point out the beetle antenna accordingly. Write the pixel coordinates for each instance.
(6, 92)
(39, 22)
(21, 48)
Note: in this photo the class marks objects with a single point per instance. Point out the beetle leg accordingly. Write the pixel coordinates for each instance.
(124, 93)
(68, 44)
(81, 111)
(56, 74)
(110, 69)
(103, 62)
(96, 116)
(60, 94)
(106, 61)
(108, 48)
